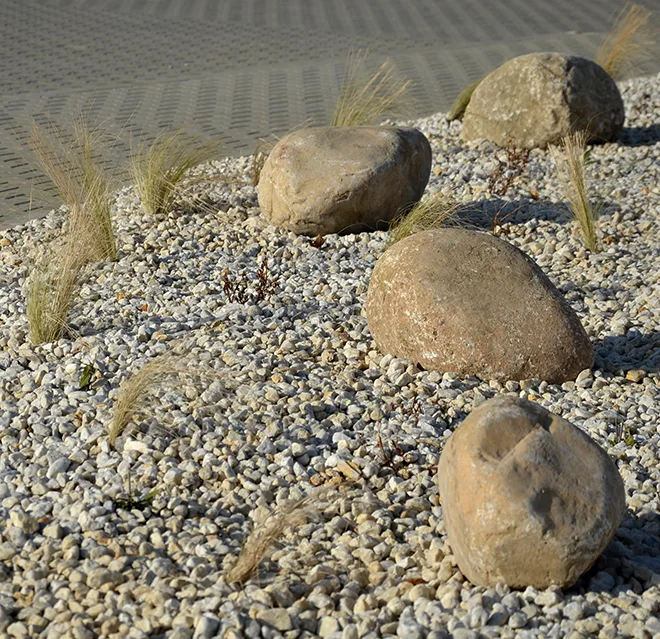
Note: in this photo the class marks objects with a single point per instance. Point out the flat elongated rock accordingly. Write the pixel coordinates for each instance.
(527, 498)
(460, 301)
(536, 99)
(343, 179)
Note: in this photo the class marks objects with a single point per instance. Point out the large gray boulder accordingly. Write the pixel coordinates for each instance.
(527, 498)
(536, 99)
(467, 302)
(343, 179)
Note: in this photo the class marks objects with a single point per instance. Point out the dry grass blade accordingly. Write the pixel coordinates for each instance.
(630, 41)
(570, 165)
(365, 99)
(84, 185)
(159, 169)
(259, 157)
(264, 535)
(51, 290)
(457, 110)
(430, 212)
(135, 390)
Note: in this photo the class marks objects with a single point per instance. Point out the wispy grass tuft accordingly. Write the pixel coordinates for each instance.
(259, 157)
(431, 212)
(264, 535)
(366, 99)
(630, 41)
(158, 169)
(134, 392)
(457, 110)
(73, 163)
(51, 290)
(570, 159)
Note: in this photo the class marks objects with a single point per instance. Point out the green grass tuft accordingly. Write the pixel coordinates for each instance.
(366, 99)
(431, 212)
(159, 169)
(51, 290)
(570, 159)
(630, 41)
(457, 110)
(72, 164)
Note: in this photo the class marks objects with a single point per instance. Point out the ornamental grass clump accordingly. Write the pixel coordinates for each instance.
(431, 212)
(74, 165)
(159, 169)
(365, 99)
(457, 110)
(570, 160)
(135, 391)
(285, 517)
(51, 290)
(630, 41)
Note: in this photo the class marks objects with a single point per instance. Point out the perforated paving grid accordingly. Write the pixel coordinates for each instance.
(235, 70)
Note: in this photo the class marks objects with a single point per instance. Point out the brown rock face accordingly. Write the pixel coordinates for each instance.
(528, 499)
(343, 179)
(461, 301)
(536, 99)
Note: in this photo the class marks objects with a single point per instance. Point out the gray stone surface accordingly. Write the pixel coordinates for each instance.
(343, 179)
(528, 499)
(537, 99)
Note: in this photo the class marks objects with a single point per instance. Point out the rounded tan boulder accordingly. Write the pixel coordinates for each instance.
(461, 301)
(536, 99)
(343, 179)
(527, 498)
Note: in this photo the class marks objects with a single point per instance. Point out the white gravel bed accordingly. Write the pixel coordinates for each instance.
(305, 400)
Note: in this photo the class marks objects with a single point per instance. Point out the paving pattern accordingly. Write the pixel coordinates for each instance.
(235, 70)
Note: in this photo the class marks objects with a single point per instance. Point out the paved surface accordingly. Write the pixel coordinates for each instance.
(235, 70)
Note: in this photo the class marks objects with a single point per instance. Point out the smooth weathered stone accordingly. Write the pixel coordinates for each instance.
(528, 499)
(343, 179)
(536, 99)
(460, 301)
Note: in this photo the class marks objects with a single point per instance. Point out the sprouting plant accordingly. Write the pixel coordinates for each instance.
(242, 290)
(570, 164)
(457, 110)
(285, 517)
(429, 213)
(507, 170)
(622, 433)
(630, 41)
(159, 169)
(365, 99)
(74, 165)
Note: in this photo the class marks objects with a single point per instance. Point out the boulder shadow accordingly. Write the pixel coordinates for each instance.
(633, 554)
(632, 351)
(489, 214)
(640, 135)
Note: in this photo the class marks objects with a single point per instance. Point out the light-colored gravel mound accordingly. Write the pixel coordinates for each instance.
(303, 399)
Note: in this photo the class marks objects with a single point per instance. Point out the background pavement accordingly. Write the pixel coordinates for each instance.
(234, 70)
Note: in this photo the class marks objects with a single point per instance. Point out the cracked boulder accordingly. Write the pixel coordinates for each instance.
(343, 179)
(527, 498)
(536, 99)
(461, 301)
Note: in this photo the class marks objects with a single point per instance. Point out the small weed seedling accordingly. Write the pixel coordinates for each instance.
(240, 289)
(508, 170)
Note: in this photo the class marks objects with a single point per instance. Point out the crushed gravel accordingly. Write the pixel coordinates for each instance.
(302, 399)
